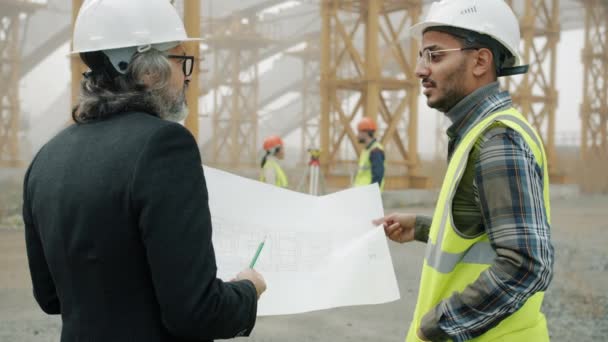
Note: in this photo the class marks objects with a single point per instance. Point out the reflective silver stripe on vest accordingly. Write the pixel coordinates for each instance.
(481, 252)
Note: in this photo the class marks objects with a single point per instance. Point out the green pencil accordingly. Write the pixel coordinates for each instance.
(257, 253)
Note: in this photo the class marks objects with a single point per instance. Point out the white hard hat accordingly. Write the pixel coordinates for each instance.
(493, 18)
(121, 27)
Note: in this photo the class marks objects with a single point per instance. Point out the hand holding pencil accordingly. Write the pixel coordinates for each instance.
(252, 275)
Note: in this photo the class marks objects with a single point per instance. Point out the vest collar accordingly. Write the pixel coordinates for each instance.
(370, 144)
(475, 107)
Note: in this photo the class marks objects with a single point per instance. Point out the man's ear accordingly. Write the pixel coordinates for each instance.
(484, 63)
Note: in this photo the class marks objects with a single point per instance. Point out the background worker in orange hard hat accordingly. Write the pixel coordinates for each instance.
(371, 161)
(271, 172)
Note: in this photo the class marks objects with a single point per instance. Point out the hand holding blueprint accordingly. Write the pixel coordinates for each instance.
(320, 252)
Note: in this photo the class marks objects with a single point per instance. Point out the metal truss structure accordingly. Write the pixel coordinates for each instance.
(309, 118)
(594, 109)
(13, 15)
(360, 41)
(355, 82)
(235, 43)
(535, 92)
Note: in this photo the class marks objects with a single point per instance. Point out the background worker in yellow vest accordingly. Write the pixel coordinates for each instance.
(271, 172)
(489, 256)
(371, 161)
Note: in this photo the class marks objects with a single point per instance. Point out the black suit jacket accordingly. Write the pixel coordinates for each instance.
(118, 235)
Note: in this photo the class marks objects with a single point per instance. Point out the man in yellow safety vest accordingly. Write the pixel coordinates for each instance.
(371, 160)
(489, 255)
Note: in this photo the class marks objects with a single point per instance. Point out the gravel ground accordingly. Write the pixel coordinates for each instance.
(576, 305)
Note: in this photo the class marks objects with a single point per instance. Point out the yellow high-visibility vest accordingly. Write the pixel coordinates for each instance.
(280, 176)
(364, 173)
(453, 262)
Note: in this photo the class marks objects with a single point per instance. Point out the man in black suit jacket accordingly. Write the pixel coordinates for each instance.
(117, 223)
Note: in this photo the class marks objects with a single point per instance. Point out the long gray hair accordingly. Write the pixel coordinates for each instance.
(104, 92)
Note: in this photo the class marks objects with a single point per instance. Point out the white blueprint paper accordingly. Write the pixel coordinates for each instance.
(320, 252)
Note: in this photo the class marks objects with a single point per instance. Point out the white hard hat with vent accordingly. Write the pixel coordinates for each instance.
(120, 27)
(493, 18)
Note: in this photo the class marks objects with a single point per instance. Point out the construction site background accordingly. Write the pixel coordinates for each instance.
(264, 61)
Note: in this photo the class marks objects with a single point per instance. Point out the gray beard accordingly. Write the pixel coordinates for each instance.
(171, 106)
(178, 113)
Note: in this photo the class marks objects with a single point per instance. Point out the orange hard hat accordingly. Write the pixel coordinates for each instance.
(272, 141)
(366, 124)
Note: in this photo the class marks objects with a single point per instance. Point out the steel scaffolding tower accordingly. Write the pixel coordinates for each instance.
(309, 120)
(76, 64)
(192, 19)
(353, 73)
(594, 109)
(235, 43)
(535, 92)
(13, 15)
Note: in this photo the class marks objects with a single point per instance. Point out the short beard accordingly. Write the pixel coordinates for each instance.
(170, 105)
(454, 91)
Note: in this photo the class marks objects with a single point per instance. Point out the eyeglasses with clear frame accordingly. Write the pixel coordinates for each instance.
(187, 63)
(427, 57)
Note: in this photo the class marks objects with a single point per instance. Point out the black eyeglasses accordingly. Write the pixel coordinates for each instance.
(187, 63)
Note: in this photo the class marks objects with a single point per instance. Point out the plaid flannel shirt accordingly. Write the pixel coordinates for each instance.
(501, 194)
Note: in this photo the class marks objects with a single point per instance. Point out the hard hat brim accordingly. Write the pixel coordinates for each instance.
(186, 40)
(416, 30)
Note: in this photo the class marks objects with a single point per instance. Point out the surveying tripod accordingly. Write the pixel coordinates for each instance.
(313, 174)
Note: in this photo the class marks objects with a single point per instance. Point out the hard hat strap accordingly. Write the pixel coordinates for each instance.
(522, 69)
